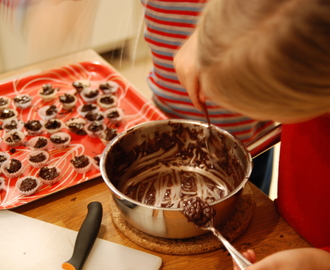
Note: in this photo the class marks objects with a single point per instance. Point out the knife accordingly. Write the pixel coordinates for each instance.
(86, 237)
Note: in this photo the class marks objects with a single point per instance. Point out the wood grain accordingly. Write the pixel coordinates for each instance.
(267, 233)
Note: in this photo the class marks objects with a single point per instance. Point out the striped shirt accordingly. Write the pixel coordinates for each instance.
(168, 24)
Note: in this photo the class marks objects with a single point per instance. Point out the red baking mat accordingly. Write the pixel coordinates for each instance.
(137, 110)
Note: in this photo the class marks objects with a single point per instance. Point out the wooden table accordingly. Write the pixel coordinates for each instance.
(267, 233)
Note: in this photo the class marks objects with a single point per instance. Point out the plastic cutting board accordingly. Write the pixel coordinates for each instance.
(27, 243)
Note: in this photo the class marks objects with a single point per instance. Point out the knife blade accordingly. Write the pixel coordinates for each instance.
(86, 237)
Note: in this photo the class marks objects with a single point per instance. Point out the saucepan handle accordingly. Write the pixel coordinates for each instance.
(265, 141)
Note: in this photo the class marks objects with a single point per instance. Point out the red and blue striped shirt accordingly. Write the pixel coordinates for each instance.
(168, 24)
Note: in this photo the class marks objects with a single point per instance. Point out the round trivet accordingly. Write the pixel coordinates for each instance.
(231, 229)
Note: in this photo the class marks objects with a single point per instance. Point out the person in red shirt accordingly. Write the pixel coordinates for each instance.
(270, 60)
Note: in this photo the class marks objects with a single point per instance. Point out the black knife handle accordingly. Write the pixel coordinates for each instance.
(86, 237)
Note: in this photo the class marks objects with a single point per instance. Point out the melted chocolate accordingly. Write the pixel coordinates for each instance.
(168, 168)
(198, 211)
(48, 173)
(14, 166)
(80, 161)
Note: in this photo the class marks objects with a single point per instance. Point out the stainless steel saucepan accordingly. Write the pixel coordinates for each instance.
(169, 150)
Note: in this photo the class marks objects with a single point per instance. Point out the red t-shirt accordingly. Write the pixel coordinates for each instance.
(304, 179)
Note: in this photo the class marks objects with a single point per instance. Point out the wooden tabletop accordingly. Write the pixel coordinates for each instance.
(267, 233)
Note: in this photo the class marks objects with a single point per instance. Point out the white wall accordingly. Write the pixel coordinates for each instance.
(51, 30)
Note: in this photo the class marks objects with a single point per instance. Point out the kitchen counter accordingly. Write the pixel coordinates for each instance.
(267, 233)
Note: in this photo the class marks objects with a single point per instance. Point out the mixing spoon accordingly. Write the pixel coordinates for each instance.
(201, 214)
(214, 143)
(256, 147)
(241, 261)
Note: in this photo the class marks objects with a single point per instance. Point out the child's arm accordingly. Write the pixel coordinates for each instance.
(185, 66)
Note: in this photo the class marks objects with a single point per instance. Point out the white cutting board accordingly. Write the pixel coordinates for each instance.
(31, 244)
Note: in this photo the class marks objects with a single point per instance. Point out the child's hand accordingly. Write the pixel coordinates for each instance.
(250, 255)
(294, 259)
(185, 66)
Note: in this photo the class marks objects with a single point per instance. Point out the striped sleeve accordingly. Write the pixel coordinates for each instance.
(168, 24)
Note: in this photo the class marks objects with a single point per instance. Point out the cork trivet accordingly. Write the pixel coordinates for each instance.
(231, 229)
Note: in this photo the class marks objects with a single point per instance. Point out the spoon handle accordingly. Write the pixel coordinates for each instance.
(241, 261)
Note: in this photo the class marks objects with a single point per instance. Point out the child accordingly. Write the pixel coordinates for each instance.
(169, 23)
(271, 60)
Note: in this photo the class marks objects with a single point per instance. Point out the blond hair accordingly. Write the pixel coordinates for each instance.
(276, 51)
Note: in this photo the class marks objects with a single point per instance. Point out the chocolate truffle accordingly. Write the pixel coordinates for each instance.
(68, 101)
(109, 87)
(84, 109)
(12, 124)
(38, 143)
(14, 138)
(82, 163)
(49, 175)
(7, 114)
(38, 158)
(114, 115)
(81, 85)
(95, 128)
(23, 101)
(12, 168)
(47, 92)
(60, 140)
(94, 116)
(34, 127)
(76, 125)
(4, 102)
(107, 101)
(53, 125)
(90, 95)
(28, 185)
(107, 135)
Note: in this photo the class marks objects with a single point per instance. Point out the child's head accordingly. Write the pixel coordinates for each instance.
(267, 59)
